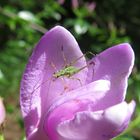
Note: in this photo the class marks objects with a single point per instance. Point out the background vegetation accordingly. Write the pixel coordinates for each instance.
(97, 25)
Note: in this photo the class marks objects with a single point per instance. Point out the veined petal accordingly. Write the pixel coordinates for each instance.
(94, 92)
(38, 90)
(82, 99)
(114, 64)
(101, 125)
(37, 134)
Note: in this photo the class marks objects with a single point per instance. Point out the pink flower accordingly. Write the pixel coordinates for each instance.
(87, 106)
(2, 112)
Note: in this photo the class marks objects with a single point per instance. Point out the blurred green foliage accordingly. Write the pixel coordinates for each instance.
(96, 25)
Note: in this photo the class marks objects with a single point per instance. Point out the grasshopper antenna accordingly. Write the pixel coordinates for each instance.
(64, 57)
(74, 61)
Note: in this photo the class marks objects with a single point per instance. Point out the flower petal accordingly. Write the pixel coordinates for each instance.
(101, 125)
(114, 64)
(78, 100)
(37, 135)
(94, 91)
(2, 111)
(38, 90)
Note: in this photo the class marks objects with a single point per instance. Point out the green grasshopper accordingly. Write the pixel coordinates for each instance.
(68, 70)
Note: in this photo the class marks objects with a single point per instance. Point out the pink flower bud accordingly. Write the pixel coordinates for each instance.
(2, 112)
